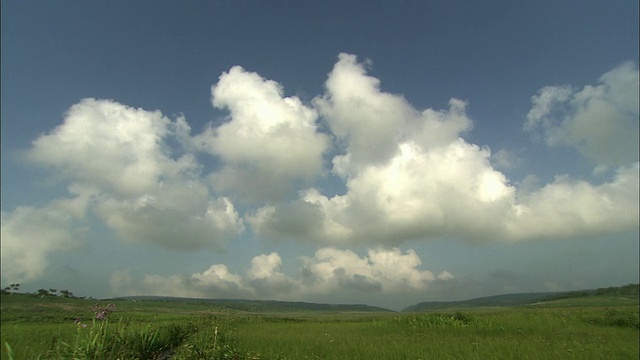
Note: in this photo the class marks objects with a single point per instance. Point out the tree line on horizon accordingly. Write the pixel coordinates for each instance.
(625, 290)
(15, 289)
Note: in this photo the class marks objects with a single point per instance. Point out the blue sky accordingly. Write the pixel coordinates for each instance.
(380, 152)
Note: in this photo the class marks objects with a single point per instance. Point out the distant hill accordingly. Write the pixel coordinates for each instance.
(487, 301)
(628, 291)
(261, 305)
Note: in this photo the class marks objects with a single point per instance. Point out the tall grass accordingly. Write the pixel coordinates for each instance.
(124, 339)
(33, 340)
(499, 334)
(47, 330)
(105, 340)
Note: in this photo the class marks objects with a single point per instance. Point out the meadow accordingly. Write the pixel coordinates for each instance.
(68, 328)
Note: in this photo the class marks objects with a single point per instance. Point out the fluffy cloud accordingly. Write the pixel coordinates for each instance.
(569, 208)
(192, 222)
(144, 189)
(600, 121)
(109, 145)
(409, 175)
(506, 159)
(382, 270)
(268, 142)
(265, 276)
(30, 235)
(215, 282)
(371, 123)
(330, 271)
(451, 190)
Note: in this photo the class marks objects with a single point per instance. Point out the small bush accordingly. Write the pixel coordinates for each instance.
(439, 320)
(611, 317)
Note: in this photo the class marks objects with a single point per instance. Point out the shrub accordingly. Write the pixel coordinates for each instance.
(434, 320)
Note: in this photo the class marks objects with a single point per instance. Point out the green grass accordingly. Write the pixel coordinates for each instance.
(45, 328)
(603, 301)
(496, 334)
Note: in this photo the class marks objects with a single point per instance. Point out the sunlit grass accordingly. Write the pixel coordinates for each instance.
(498, 334)
(29, 340)
(38, 328)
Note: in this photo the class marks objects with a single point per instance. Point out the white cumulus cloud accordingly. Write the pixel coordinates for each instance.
(144, 189)
(570, 208)
(601, 121)
(410, 175)
(268, 141)
(382, 270)
(371, 123)
(30, 235)
(330, 271)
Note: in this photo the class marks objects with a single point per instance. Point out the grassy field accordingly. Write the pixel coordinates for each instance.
(59, 328)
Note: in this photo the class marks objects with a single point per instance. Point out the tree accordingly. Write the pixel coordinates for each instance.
(66, 293)
(11, 288)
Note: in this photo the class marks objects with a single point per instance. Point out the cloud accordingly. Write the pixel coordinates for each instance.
(600, 121)
(330, 271)
(191, 223)
(269, 141)
(30, 235)
(214, 282)
(569, 208)
(408, 174)
(449, 190)
(506, 159)
(418, 179)
(109, 145)
(371, 123)
(384, 270)
(121, 281)
(265, 277)
(142, 187)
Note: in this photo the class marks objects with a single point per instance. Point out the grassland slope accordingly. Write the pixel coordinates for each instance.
(610, 296)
